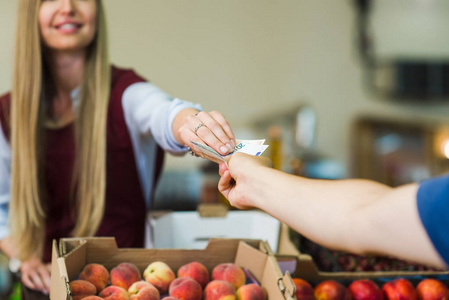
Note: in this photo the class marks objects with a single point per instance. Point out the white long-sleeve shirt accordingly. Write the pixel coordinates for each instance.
(149, 113)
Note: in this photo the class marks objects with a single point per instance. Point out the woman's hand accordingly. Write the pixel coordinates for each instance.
(235, 181)
(36, 274)
(210, 128)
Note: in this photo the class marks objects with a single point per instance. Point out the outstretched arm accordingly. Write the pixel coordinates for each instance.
(357, 216)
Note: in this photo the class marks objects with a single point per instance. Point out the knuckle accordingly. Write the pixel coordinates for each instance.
(202, 133)
(189, 120)
(213, 126)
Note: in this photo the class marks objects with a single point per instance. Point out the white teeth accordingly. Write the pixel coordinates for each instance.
(68, 26)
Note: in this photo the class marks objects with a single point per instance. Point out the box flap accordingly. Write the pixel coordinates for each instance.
(290, 288)
(265, 269)
(59, 288)
(212, 210)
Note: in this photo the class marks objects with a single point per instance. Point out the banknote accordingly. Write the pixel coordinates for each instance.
(251, 147)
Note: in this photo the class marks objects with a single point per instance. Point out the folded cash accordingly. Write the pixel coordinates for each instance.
(251, 147)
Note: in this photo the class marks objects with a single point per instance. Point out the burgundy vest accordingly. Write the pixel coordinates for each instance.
(125, 210)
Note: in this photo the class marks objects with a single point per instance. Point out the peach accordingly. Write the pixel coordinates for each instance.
(142, 290)
(160, 275)
(146, 293)
(304, 291)
(82, 288)
(195, 270)
(114, 292)
(399, 289)
(229, 272)
(170, 298)
(219, 290)
(365, 289)
(185, 288)
(124, 275)
(251, 291)
(331, 290)
(432, 289)
(92, 298)
(96, 274)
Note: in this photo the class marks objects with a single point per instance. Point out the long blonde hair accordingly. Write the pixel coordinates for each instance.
(27, 211)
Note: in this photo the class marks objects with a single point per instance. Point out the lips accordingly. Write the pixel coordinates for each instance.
(68, 26)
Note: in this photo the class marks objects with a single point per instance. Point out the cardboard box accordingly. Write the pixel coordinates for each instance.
(302, 265)
(193, 229)
(72, 254)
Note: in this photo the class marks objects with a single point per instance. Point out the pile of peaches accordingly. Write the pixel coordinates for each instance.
(365, 289)
(192, 281)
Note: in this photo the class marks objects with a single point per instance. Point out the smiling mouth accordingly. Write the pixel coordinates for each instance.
(68, 26)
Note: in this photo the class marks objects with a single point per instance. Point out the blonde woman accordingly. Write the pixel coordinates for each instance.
(81, 140)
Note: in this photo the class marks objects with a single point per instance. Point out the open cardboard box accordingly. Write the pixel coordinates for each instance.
(193, 229)
(302, 265)
(72, 254)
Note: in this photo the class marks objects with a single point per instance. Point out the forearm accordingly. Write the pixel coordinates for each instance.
(357, 216)
(320, 209)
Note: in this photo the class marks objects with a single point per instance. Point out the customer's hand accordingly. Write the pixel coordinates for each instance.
(36, 274)
(236, 177)
(210, 128)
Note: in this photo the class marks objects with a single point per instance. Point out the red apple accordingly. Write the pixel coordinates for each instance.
(331, 290)
(432, 289)
(399, 289)
(365, 289)
(304, 291)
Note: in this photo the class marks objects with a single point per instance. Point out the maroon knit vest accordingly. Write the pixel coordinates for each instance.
(125, 210)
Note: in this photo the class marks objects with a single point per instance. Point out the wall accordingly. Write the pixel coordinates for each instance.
(251, 58)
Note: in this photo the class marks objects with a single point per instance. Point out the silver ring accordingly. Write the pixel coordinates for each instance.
(198, 127)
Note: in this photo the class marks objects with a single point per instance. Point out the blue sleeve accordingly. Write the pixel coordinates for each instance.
(5, 174)
(433, 208)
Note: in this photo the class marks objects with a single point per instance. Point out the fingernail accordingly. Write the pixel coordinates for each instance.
(230, 147)
(224, 149)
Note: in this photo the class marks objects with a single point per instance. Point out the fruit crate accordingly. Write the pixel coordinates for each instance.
(72, 254)
(300, 265)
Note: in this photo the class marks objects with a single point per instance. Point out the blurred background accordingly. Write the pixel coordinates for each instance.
(340, 89)
(346, 88)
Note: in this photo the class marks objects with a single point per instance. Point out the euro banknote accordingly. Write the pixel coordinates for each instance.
(251, 147)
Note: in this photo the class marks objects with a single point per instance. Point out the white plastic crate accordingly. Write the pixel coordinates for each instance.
(188, 230)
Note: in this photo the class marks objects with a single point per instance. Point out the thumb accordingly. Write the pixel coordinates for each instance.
(222, 169)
